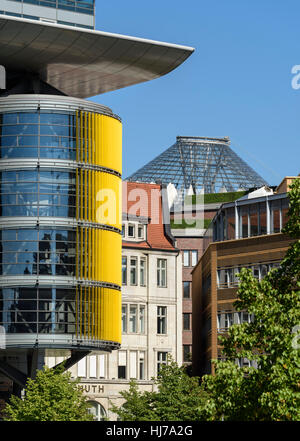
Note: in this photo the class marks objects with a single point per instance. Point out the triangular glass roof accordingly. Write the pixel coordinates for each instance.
(207, 164)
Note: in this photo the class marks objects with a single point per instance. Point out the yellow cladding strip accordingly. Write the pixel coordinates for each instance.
(81, 313)
(85, 252)
(85, 138)
(76, 255)
(81, 193)
(76, 201)
(81, 253)
(77, 136)
(90, 195)
(76, 311)
(81, 137)
(98, 309)
(89, 251)
(85, 194)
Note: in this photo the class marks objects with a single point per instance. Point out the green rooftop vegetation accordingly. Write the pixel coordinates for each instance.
(190, 223)
(214, 198)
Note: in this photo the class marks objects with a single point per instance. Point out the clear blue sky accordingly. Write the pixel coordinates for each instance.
(237, 83)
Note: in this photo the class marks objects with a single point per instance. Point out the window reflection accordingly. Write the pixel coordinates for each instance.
(46, 310)
(33, 193)
(52, 253)
(34, 134)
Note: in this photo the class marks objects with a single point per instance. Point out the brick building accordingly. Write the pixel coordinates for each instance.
(244, 233)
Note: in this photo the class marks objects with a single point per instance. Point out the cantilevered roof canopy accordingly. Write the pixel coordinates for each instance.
(83, 63)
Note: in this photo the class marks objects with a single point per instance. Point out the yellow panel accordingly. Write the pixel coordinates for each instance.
(77, 136)
(90, 196)
(76, 186)
(110, 247)
(85, 252)
(85, 194)
(76, 311)
(93, 138)
(81, 253)
(110, 315)
(109, 143)
(76, 255)
(93, 255)
(97, 139)
(81, 193)
(81, 137)
(89, 251)
(108, 200)
(88, 311)
(85, 137)
(81, 312)
(93, 196)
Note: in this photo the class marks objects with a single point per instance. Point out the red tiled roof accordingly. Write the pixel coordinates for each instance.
(143, 199)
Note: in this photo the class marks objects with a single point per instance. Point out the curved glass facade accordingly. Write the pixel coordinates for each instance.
(38, 193)
(60, 222)
(38, 251)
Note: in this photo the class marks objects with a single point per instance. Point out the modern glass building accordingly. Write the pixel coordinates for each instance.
(78, 13)
(60, 183)
(60, 271)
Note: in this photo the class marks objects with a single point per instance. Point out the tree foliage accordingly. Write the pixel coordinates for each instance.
(271, 391)
(178, 398)
(52, 396)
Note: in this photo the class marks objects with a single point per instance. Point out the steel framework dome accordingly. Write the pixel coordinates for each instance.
(207, 164)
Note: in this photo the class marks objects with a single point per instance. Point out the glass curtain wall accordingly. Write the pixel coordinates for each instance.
(57, 169)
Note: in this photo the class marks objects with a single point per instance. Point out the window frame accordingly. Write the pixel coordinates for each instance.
(161, 271)
(162, 313)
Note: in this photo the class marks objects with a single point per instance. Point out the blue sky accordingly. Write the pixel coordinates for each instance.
(237, 83)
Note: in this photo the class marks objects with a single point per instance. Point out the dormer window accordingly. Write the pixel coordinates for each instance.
(140, 232)
(131, 230)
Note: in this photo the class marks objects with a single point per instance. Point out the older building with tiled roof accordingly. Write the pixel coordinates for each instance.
(151, 302)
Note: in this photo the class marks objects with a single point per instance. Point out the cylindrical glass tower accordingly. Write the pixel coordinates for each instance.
(60, 223)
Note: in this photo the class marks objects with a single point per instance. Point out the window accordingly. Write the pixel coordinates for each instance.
(161, 359)
(276, 216)
(143, 272)
(133, 364)
(124, 270)
(161, 319)
(244, 214)
(140, 232)
(186, 258)
(122, 362)
(142, 319)
(162, 273)
(187, 321)
(228, 319)
(123, 230)
(97, 410)
(133, 318)
(133, 271)
(131, 230)
(194, 257)
(186, 290)
(82, 368)
(93, 366)
(187, 350)
(124, 318)
(102, 366)
(142, 365)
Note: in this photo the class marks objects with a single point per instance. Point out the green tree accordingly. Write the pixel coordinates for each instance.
(52, 396)
(272, 390)
(178, 398)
